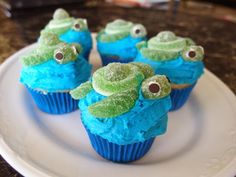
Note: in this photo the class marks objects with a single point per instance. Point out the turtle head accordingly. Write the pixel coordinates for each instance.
(80, 24)
(66, 53)
(156, 87)
(193, 53)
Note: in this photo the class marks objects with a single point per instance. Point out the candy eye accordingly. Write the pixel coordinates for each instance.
(65, 53)
(77, 26)
(193, 53)
(156, 87)
(59, 56)
(138, 31)
(80, 25)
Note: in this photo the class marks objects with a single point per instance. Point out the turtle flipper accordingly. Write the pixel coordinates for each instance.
(141, 45)
(33, 59)
(115, 104)
(81, 91)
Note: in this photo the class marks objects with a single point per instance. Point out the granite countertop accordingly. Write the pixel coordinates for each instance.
(217, 36)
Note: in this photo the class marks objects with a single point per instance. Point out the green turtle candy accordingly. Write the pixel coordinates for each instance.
(120, 83)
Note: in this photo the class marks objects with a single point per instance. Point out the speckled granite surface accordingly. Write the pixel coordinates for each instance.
(218, 37)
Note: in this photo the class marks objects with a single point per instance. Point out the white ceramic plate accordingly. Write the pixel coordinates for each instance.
(200, 142)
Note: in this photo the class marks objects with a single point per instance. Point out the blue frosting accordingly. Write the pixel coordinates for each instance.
(147, 119)
(124, 48)
(178, 70)
(82, 37)
(52, 77)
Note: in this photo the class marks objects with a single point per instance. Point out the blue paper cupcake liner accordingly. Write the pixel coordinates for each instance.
(106, 60)
(119, 153)
(53, 102)
(180, 96)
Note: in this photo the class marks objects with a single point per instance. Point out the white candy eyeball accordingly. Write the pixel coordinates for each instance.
(138, 31)
(59, 56)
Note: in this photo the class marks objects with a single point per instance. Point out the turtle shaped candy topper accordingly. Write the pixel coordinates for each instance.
(122, 84)
(119, 29)
(167, 46)
(49, 47)
(70, 30)
(178, 58)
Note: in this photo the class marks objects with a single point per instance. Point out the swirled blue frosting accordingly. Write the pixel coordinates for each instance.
(177, 70)
(53, 77)
(124, 48)
(147, 119)
(82, 37)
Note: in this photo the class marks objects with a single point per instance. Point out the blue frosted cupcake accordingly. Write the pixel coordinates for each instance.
(123, 108)
(71, 30)
(116, 43)
(176, 57)
(51, 71)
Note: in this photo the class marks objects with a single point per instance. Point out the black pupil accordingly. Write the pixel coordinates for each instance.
(137, 31)
(59, 56)
(192, 54)
(77, 26)
(154, 88)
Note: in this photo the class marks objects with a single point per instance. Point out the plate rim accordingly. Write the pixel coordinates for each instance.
(29, 169)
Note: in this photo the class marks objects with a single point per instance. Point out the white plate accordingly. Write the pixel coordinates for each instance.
(200, 142)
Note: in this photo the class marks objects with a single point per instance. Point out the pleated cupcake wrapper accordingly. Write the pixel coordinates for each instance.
(180, 96)
(119, 153)
(54, 102)
(106, 60)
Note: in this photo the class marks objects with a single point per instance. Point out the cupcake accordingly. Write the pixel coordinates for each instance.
(116, 43)
(50, 71)
(71, 30)
(180, 59)
(123, 108)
